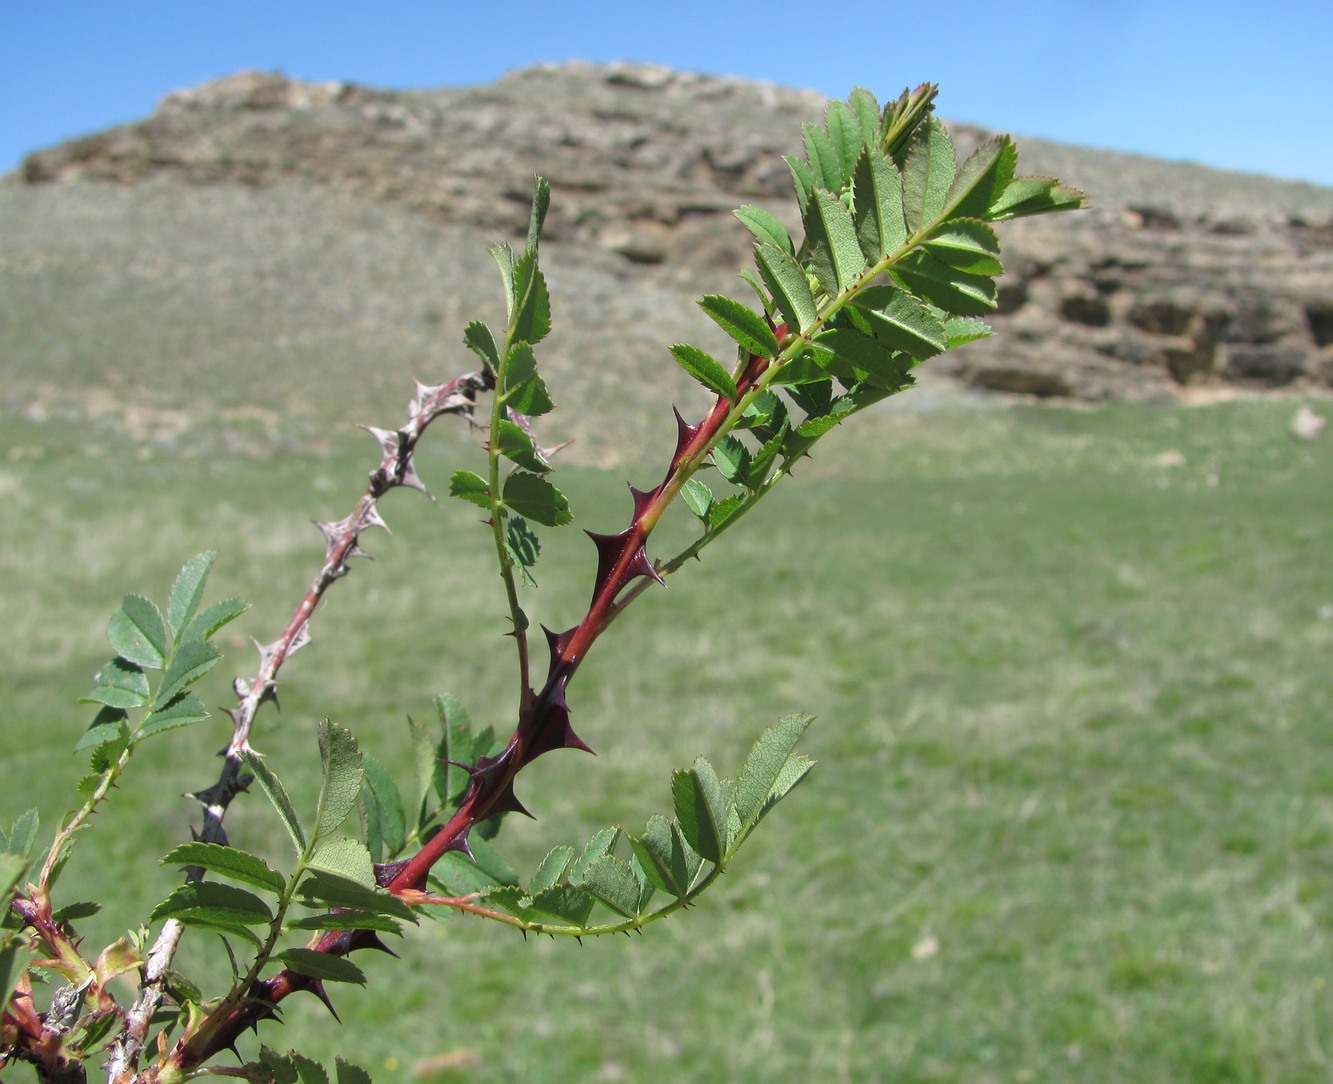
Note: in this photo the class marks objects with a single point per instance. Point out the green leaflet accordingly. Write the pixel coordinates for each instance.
(190, 661)
(743, 324)
(541, 203)
(878, 206)
(964, 329)
(845, 139)
(272, 786)
(536, 499)
(227, 862)
(522, 387)
(350, 1073)
(666, 858)
(531, 319)
(982, 179)
(866, 109)
(698, 497)
(187, 590)
(522, 546)
(928, 172)
(765, 227)
(341, 784)
(516, 444)
(899, 321)
(603, 842)
(853, 356)
(619, 885)
(22, 834)
(214, 904)
(764, 766)
(954, 291)
(119, 684)
(206, 623)
(477, 337)
(825, 163)
(470, 487)
(344, 919)
(183, 711)
(732, 459)
(321, 965)
(552, 868)
(966, 244)
(720, 511)
(344, 857)
(109, 725)
(504, 259)
(701, 809)
(1034, 196)
(835, 252)
(321, 890)
(802, 179)
(386, 819)
(787, 282)
(706, 369)
(138, 632)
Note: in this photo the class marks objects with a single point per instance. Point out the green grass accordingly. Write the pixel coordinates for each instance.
(1073, 813)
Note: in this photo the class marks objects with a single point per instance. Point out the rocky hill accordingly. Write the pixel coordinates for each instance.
(1181, 279)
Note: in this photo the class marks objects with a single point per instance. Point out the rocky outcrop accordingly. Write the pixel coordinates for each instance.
(1180, 278)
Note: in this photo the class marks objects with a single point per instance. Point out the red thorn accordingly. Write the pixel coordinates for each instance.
(685, 433)
(369, 939)
(316, 987)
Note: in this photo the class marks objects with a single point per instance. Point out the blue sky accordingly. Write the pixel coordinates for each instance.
(1243, 86)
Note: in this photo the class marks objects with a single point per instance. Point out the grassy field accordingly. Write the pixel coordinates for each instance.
(1073, 813)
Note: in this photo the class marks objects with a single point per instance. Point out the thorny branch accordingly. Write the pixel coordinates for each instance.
(397, 468)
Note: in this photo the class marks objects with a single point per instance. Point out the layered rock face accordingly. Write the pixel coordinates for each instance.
(1180, 279)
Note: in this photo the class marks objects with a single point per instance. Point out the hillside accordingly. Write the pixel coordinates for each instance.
(277, 256)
